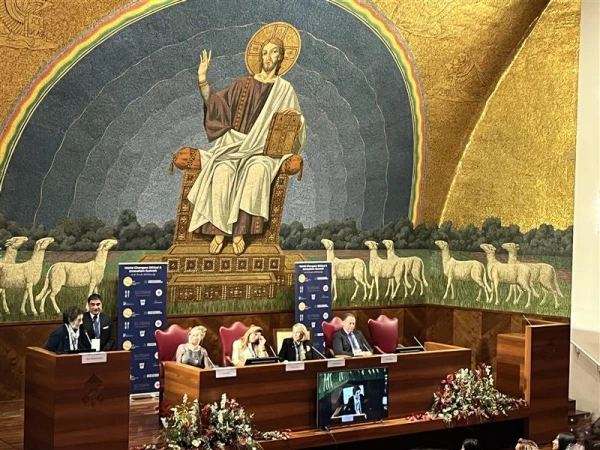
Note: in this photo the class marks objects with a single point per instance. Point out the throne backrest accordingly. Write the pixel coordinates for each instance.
(167, 342)
(329, 329)
(384, 333)
(228, 336)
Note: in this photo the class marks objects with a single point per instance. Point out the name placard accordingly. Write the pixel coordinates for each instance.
(293, 366)
(93, 358)
(225, 372)
(387, 359)
(336, 362)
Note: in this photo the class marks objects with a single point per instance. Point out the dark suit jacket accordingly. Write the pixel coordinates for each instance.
(107, 332)
(59, 341)
(288, 352)
(341, 343)
(351, 409)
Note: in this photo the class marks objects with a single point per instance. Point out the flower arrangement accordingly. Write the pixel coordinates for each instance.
(219, 425)
(469, 393)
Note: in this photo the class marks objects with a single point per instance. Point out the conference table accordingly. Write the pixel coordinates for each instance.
(532, 364)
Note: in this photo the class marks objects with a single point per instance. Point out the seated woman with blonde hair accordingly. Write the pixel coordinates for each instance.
(192, 353)
(298, 347)
(250, 345)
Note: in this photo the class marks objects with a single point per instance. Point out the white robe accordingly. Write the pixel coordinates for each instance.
(235, 175)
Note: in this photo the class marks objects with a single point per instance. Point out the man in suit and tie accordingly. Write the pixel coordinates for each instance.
(98, 325)
(348, 342)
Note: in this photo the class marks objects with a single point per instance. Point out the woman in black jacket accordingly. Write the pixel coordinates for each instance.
(69, 336)
(298, 347)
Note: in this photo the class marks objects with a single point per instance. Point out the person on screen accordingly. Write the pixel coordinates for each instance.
(68, 337)
(356, 404)
(348, 342)
(298, 347)
(98, 325)
(250, 345)
(471, 444)
(192, 353)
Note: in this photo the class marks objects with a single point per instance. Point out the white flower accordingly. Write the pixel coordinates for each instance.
(196, 443)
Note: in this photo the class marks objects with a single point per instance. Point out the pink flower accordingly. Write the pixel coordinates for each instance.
(450, 378)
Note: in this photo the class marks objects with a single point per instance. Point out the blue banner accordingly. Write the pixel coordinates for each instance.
(313, 298)
(142, 310)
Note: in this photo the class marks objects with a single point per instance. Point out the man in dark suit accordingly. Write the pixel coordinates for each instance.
(356, 404)
(349, 342)
(98, 325)
(69, 336)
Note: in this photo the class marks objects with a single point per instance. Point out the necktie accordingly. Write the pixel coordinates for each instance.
(354, 343)
(96, 327)
(298, 352)
(357, 406)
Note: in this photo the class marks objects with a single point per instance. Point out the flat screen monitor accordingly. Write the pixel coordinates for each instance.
(352, 396)
(255, 361)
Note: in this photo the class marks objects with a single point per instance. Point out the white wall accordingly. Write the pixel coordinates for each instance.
(585, 309)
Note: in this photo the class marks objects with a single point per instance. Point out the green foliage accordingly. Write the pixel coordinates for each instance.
(86, 233)
(345, 235)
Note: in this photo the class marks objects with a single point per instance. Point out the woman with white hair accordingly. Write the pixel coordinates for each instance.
(192, 353)
(298, 347)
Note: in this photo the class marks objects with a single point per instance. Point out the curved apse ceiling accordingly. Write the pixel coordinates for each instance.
(102, 138)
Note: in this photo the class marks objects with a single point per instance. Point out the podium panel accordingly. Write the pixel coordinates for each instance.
(72, 405)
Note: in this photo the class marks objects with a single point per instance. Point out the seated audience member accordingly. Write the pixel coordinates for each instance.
(562, 441)
(298, 347)
(356, 403)
(348, 342)
(68, 336)
(471, 444)
(526, 444)
(98, 325)
(250, 345)
(192, 353)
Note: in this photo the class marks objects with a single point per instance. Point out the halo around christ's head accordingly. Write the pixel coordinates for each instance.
(287, 33)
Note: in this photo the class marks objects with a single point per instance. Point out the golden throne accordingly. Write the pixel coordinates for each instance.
(263, 269)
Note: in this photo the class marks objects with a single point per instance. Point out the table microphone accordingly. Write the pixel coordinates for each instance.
(308, 347)
(88, 338)
(273, 351)
(528, 321)
(418, 342)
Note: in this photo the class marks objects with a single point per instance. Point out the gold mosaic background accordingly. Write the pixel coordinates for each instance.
(500, 83)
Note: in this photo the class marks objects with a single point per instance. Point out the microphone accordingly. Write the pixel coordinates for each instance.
(308, 347)
(273, 351)
(88, 338)
(528, 321)
(418, 342)
(212, 366)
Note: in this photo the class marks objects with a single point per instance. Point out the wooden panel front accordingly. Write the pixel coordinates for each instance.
(281, 399)
(70, 405)
(510, 364)
(547, 350)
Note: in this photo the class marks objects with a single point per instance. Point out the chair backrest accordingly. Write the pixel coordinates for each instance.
(384, 333)
(279, 334)
(168, 341)
(329, 329)
(228, 336)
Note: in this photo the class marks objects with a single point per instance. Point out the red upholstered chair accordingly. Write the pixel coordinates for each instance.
(166, 344)
(228, 337)
(384, 334)
(329, 329)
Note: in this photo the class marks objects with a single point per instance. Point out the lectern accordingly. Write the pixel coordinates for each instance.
(77, 401)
